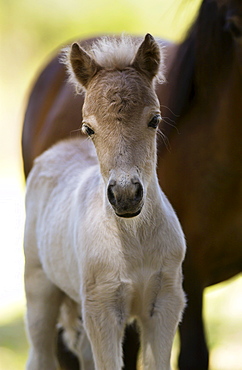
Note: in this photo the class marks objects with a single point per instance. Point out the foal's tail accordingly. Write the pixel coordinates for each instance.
(70, 322)
(66, 358)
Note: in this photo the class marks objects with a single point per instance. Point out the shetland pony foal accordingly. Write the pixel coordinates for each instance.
(98, 229)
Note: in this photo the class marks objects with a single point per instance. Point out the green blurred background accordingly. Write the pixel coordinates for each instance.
(30, 31)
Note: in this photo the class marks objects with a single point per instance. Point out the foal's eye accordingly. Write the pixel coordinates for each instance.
(155, 121)
(87, 130)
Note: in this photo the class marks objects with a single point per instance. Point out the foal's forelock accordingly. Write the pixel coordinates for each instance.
(111, 54)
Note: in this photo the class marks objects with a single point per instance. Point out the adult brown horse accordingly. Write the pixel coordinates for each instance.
(200, 170)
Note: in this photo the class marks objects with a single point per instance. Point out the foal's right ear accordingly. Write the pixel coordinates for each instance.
(82, 64)
(148, 57)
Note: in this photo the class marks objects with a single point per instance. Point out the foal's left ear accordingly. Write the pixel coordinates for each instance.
(83, 65)
(148, 58)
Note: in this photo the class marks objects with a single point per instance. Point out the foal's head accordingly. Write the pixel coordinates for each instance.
(121, 113)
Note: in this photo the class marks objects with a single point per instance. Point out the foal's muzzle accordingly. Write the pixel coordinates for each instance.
(126, 199)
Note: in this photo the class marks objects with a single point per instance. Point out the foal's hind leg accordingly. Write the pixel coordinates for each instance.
(43, 303)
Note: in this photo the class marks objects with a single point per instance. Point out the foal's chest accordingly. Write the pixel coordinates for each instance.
(142, 279)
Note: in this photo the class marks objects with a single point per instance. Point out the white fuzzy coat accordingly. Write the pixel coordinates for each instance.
(115, 269)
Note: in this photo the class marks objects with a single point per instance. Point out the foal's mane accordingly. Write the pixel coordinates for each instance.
(202, 60)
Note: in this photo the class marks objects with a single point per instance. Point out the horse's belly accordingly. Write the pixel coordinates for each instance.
(225, 252)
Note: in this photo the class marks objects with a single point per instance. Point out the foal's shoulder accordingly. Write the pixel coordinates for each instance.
(63, 159)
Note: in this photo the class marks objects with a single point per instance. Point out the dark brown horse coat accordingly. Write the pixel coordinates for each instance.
(199, 170)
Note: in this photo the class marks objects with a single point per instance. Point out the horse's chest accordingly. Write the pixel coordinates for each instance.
(142, 277)
(143, 286)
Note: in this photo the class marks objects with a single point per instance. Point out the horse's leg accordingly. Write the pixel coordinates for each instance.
(86, 357)
(159, 326)
(105, 334)
(193, 352)
(43, 303)
(104, 316)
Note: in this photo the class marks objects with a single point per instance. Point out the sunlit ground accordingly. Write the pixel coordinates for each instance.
(29, 31)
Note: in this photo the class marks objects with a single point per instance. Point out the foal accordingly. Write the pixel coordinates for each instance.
(99, 230)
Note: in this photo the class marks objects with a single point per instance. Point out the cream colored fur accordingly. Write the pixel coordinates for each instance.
(82, 259)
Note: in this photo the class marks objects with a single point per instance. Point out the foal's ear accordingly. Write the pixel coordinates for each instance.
(148, 58)
(83, 66)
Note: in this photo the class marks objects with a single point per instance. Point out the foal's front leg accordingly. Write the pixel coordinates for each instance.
(159, 324)
(105, 313)
(43, 303)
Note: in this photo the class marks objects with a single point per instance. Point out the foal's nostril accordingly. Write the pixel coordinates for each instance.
(138, 192)
(125, 198)
(111, 196)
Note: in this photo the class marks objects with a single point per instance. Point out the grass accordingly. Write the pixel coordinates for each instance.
(13, 342)
(222, 309)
